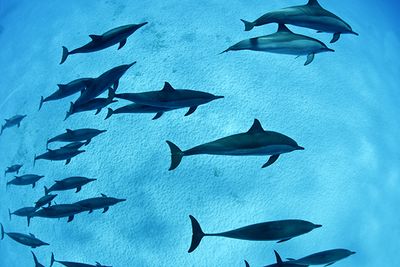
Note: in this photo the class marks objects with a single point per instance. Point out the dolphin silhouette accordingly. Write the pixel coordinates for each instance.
(73, 264)
(326, 257)
(60, 154)
(138, 108)
(14, 168)
(75, 182)
(27, 240)
(280, 263)
(78, 135)
(27, 179)
(57, 212)
(13, 121)
(45, 200)
(96, 203)
(95, 104)
(37, 263)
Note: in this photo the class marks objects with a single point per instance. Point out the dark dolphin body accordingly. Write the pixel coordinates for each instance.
(77, 136)
(255, 142)
(74, 264)
(27, 240)
(268, 231)
(65, 90)
(100, 42)
(106, 81)
(74, 145)
(45, 200)
(60, 154)
(14, 168)
(169, 97)
(279, 262)
(37, 263)
(69, 183)
(326, 258)
(27, 179)
(311, 15)
(137, 108)
(58, 211)
(23, 212)
(11, 122)
(96, 203)
(285, 42)
(95, 104)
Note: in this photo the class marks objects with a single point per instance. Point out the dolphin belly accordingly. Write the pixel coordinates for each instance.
(240, 151)
(294, 47)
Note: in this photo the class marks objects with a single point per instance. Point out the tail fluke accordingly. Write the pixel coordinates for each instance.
(65, 54)
(247, 264)
(46, 191)
(9, 214)
(198, 234)
(2, 231)
(248, 26)
(41, 102)
(34, 161)
(176, 155)
(52, 260)
(35, 259)
(109, 113)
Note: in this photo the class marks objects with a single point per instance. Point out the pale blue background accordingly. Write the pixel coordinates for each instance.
(343, 109)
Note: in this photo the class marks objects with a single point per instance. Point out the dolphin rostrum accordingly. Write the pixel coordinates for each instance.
(100, 42)
(255, 142)
(280, 231)
(37, 263)
(27, 240)
(284, 41)
(311, 15)
(75, 182)
(137, 108)
(326, 257)
(60, 154)
(96, 203)
(14, 168)
(77, 136)
(73, 264)
(27, 179)
(11, 122)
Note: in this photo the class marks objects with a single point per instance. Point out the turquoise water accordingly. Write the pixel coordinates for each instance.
(343, 108)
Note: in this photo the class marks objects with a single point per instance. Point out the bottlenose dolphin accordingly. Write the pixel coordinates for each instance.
(169, 97)
(14, 168)
(326, 258)
(255, 142)
(45, 200)
(58, 211)
(281, 231)
(96, 203)
(13, 121)
(311, 15)
(74, 264)
(27, 240)
(138, 108)
(100, 42)
(283, 41)
(65, 90)
(23, 212)
(60, 154)
(279, 262)
(102, 83)
(77, 135)
(37, 263)
(27, 179)
(75, 182)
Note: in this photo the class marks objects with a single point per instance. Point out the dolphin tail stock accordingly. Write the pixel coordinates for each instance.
(176, 155)
(65, 54)
(248, 26)
(9, 214)
(70, 111)
(52, 260)
(198, 234)
(110, 112)
(34, 160)
(41, 102)
(2, 231)
(35, 259)
(46, 190)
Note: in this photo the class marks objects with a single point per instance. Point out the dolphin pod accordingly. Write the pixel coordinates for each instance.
(73, 264)
(13, 121)
(100, 42)
(312, 15)
(77, 136)
(27, 240)
(255, 142)
(280, 231)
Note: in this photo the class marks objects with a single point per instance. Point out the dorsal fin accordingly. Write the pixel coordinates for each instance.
(283, 28)
(278, 258)
(95, 37)
(50, 150)
(168, 87)
(103, 195)
(69, 131)
(98, 264)
(313, 3)
(32, 235)
(256, 127)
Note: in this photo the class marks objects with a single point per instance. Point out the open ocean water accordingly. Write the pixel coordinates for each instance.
(343, 109)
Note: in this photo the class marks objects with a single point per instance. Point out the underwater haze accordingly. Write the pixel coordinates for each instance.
(343, 109)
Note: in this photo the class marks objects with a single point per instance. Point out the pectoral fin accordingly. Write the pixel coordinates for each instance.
(116, 85)
(90, 211)
(98, 111)
(284, 240)
(67, 161)
(71, 218)
(158, 115)
(121, 44)
(95, 38)
(106, 209)
(271, 161)
(78, 189)
(310, 59)
(335, 38)
(191, 110)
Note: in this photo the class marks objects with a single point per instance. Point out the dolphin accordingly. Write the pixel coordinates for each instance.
(27, 179)
(60, 154)
(75, 182)
(138, 108)
(45, 200)
(73, 264)
(27, 240)
(65, 90)
(74, 145)
(255, 142)
(169, 97)
(77, 135)
(280, 231)
(279, 262)
(37, 263)
(14, 168)
(311, 15)
(13, 121)
(107, 80)
(100, 42)
(326, 257)
(58, 211)
(23, 212)
(96, 203)
(284, 41)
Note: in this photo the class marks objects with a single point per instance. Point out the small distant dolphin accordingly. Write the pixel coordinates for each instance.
(37, 263)
(326, 258)
(27, 179)
(69, 183)
(100, 42)
(74, 145)
(137, 108)
(23, 212)
(311, 15)
(279, 262)
(169, 97)
(281, 231)
(77, 135)
(13, 121)
(255, 142)
(96, 203)
(74, 264)
(65, 90)
(14, 168)
(45, 200)
(27, 240)
(284, 41)
(60, 154)
(102, 83)
(58, 211)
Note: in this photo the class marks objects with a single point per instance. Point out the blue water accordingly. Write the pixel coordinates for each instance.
(343, 108)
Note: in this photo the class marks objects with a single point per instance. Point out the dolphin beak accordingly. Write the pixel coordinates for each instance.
(352, 253)
(317, 225)
(300, 148)
(92, 180)
(219, 97)
(142, 24)
(354, 33)
(130, 65)
(121, 200)
(103, 131)
(330, 50)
